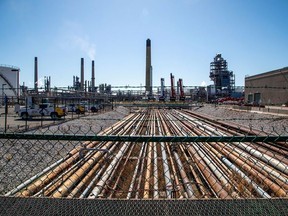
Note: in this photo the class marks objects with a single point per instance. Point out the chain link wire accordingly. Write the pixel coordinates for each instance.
(148, 154)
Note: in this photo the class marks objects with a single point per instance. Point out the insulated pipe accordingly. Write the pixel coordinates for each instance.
(97, 190)
(149, 163)
(148, 171)
(273, 162)
(52, 174)
(155, 164)
(139, 162)
(167, 174)
(64, 189)
(250, 168)
(99, 187)
(53, 185)
(141, 173)
(198, 181)
(166, 170)
(263, 168)
(216, 171)
(141, 154)
(155, 172)
(185, 179)
(87, 178)
(32, 179)
(176, 187)
(259, 190)
(175, 125)
(92, 183)
(276, 189)
(94, 180)
(133, 131)
(214, 183)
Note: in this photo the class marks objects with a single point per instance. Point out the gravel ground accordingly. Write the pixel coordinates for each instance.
(272, 124)
(22, 159)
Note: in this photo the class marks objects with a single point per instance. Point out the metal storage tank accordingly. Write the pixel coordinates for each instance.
(9, 80)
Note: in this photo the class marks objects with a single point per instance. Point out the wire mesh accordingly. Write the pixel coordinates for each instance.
(146, 154)
(47, 206)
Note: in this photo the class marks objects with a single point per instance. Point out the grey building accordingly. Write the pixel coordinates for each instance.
(267, 88)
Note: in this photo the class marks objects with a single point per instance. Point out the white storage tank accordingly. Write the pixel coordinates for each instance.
(9, 81)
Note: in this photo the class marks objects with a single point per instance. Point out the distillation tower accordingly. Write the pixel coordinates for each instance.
(224, 80)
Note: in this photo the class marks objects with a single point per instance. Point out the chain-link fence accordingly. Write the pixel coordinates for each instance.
(145, 153)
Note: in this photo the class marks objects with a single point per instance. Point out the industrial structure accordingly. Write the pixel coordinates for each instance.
(224, 84)
(267, 88)
(172, 92)
(36, 74)
(224, 80)
(181, 90)
(82, 85)
(149, 84)
(87, 88)
(162, 95)
(93, 89)
(9, 81)
(171, 153)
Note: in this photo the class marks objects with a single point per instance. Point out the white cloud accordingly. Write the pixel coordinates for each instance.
(86, 46)
(203, 83)
(40, 82)
(70, 38)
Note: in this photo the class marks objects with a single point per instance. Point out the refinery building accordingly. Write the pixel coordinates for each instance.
(269, 88)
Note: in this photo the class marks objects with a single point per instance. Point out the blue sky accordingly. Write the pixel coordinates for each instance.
(252, 35)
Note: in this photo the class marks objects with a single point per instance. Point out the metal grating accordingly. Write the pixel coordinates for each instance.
(50, 206)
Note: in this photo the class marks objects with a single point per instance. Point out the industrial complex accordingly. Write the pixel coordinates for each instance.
(95, 146)
(259, 89)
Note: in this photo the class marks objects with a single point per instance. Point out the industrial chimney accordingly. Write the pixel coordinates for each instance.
(162, 91)
(36, 74)
(148, 67)
(82, 75)
(93, 78)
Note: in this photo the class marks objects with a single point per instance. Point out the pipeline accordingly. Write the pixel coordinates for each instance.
(180, 170)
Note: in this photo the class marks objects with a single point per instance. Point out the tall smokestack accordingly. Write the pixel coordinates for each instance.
(162, 88)
(178, 87)
(93, 78)
(148, 67)
(49, 86)
(82, 75)
(36, 74)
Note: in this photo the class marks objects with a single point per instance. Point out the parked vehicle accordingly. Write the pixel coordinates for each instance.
(77, 108)
(45, 109)
(90, 106)
(95, 107)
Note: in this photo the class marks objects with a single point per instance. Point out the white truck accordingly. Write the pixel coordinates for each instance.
(45, 109)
